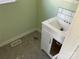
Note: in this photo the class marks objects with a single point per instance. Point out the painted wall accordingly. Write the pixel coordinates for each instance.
(17, 18)
(48, 8)
(22, 16)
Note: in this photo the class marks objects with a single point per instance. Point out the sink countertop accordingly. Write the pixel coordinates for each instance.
(52, 27)
(58, 34)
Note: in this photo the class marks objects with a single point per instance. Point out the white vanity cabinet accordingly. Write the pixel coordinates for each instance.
(54, 31)
(49, 41)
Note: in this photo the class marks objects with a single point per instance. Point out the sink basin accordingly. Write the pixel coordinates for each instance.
(57, 29)
(54, 24)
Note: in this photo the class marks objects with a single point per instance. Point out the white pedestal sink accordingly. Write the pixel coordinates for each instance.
(56, 29)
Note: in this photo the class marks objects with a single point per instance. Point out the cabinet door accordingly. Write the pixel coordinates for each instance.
(46, 41)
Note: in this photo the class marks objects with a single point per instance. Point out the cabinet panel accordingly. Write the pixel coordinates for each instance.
(46, 41)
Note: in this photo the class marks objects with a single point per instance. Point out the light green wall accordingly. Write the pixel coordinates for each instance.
(48, 8)
(17, 18)
(25, 15)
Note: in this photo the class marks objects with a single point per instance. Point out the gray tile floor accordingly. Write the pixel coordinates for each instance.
(29, 49)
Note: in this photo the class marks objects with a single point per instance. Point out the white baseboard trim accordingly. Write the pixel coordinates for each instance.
(17, 37)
